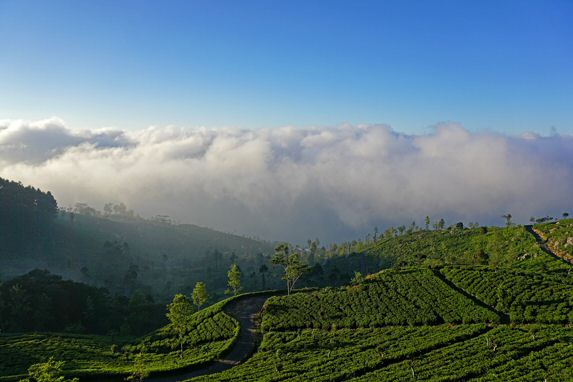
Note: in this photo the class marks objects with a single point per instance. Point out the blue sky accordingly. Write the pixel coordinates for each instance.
(491, 65)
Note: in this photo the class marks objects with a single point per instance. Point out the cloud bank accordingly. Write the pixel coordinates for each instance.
(289, 183)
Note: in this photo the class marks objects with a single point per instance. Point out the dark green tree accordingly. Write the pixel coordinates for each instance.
(179, 313)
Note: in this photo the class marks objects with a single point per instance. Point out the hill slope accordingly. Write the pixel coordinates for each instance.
(507, 246)
(295, 349)
(120, 253)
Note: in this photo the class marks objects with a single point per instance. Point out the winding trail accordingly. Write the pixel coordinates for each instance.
(543, 245)
(244, 310)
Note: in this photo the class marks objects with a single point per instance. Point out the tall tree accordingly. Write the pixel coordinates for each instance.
(200, 295)
(293, 267)
(234, 280)
(427, 223)
(179, 313)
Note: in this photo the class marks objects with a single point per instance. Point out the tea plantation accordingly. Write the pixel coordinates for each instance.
(442, 352)
(511, 246)
(525, 296)
(213, 331)
(393, 297)
(498, 319)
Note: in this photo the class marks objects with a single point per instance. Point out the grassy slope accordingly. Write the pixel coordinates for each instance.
(213, 332)
(487, 351)
(512, 246)
(348, 340)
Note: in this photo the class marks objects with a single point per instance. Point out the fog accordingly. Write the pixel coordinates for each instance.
(295, 183)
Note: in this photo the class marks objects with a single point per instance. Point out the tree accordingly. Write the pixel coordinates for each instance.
(49, 371)
(427, 223)
(234, 280)
(262, 270)
(441, 224)
(200, 295)
(507, 218)
(565, 215)
(140, 372)
(293, 267)
(179, 313)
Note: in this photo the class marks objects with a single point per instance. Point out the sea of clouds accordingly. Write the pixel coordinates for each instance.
(295, 183)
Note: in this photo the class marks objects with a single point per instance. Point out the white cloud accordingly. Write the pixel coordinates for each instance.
(290, 183)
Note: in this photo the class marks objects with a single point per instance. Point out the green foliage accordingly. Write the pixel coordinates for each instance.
(442, 352)
(209, 334)
(140, 371)
(524, 295)
(512, 246)
(291, 263)
(200, 294)
(501, 354)
(179, 313)
(234, 279)
(49, 371)
(394, 297)
(40, 301)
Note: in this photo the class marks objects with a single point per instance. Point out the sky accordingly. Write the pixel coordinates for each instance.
(295, 119)
(491, 65)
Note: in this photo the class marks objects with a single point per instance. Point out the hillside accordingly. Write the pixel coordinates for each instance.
(120, 253)
(211, 332)
(41, 301)
(449, 323)
(337, 335)
(463, 304)
(495, 246)
(558, 237)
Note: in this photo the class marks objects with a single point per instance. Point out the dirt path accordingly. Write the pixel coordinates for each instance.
(244, 311)
(543, 245)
